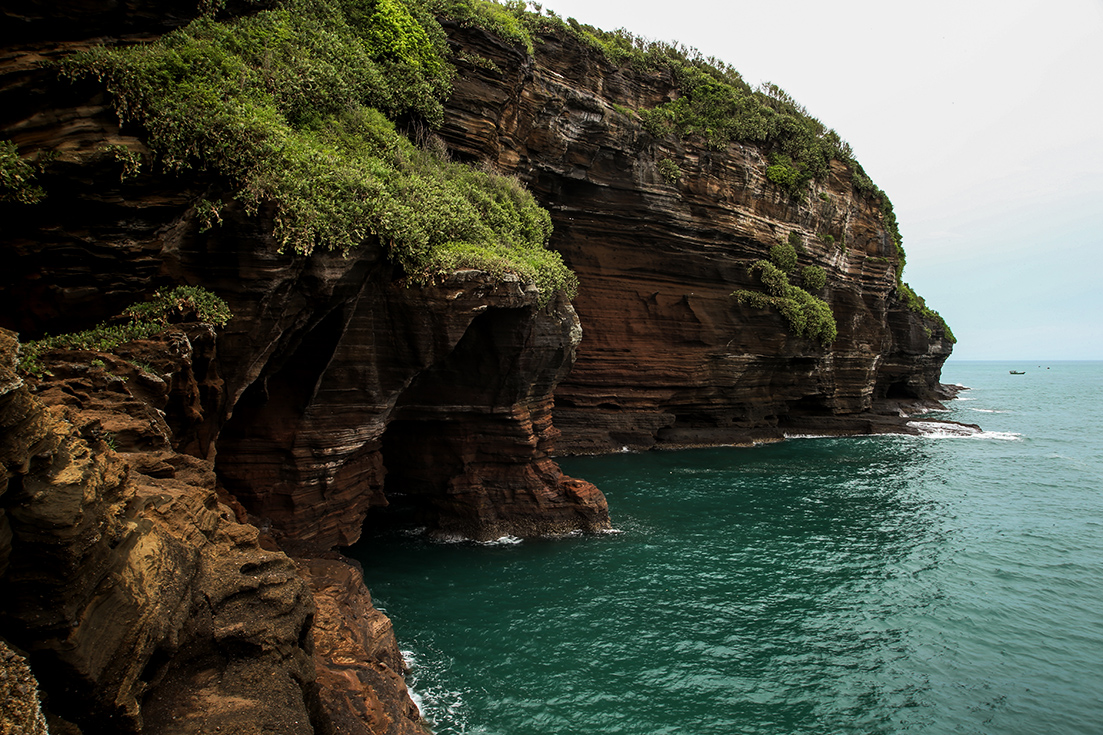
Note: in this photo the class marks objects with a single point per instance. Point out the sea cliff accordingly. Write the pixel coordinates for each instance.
(171, 506)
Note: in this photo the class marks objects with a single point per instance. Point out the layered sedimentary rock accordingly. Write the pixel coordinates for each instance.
(326, 354)
(669, 357)
(142, 602)
(151, 497)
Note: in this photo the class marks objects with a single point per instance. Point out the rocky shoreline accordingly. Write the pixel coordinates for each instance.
(171, 510)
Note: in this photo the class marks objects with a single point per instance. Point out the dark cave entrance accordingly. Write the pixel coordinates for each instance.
(443, 420)
(900, 390)
(269, 412)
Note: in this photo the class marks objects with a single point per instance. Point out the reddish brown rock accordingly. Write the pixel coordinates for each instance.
(359, 667)
(668, 357)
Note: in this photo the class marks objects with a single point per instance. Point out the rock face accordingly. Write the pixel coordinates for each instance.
(168, 511)
(669, 358)
(142, 602)
(331, 365)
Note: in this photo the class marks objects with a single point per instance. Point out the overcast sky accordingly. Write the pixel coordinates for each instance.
(981, 119)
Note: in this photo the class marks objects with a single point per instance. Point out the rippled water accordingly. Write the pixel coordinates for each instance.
(939, 584)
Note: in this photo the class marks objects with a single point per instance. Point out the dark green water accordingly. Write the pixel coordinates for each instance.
(869, 585)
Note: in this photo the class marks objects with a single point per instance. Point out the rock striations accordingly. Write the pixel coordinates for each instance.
(169, 510)
(669, 358)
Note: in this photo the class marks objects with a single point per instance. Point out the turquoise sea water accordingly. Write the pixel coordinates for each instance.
(936, 584)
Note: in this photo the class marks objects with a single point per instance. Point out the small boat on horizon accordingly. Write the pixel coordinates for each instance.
(1017, 372)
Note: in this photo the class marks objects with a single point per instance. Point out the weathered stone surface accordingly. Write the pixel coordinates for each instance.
(142, 590)
(312, 368)
(136, 597)
(360, 669)
(20, 709)
(668, 357)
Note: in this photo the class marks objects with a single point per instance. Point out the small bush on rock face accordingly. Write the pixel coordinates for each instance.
(669, 170)
(812, 277)
(807, 315)
(16, 176)
(784, 256)
(796, 241)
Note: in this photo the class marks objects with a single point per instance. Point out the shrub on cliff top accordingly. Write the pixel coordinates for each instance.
(290, 105)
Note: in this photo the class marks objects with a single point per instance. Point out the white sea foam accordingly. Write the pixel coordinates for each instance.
(986, 410)
(411, 662)
(501, 541)
(942, 430)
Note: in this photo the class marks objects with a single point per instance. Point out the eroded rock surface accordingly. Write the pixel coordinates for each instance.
(143, 603)
(147, 495)
(669, 358)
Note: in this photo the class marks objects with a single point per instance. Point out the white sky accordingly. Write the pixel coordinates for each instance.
(981, 119)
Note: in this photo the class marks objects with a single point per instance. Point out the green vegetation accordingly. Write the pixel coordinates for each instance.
(292, 105)
(915, 302)
(812, 278)
(146, 319)
(807, 315)
(784, 256)
(509, 20)
(130, 161)
(670, 171)
(17, 176)
(714, 103)
(796, 241)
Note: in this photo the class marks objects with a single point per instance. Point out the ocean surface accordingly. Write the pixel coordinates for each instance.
(938, 584)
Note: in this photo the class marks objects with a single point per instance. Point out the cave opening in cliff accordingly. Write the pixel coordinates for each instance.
(900, 390)
(265, 421)
(443, 422)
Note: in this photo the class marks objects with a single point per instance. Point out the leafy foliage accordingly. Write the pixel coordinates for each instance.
(796, 241)
(669, 170)
(915, 303)
(145, 320)
(807, 315)
(17, 176)
(291, 106)
(812, 278)
(784, 256)
(508, 20)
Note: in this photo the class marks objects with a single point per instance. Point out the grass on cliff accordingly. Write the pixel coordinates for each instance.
(294, 106)
(140, 321)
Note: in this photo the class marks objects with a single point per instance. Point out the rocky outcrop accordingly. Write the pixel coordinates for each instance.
(330, 361)
(359, 667)
(142, 602)
(20, 708)
(168, 511)
(669, 358)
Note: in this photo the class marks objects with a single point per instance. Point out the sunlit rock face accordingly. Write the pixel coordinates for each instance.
(668, 357)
